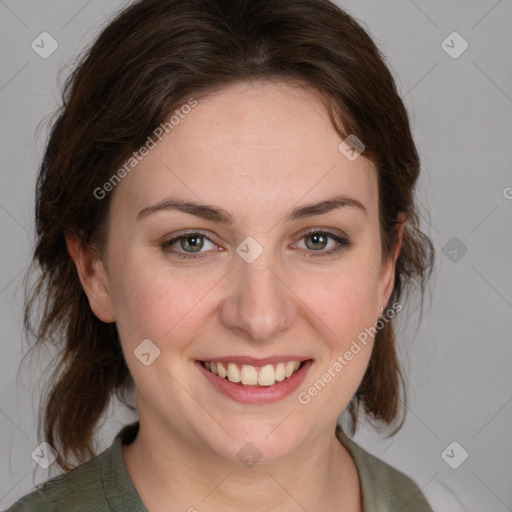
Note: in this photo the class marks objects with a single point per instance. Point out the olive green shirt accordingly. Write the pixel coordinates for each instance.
(103, 484)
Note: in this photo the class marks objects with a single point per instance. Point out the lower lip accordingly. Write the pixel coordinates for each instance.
(257, 394)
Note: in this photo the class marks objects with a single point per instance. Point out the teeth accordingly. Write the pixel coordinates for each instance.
(248, 375)
(289, 368)
(280, 372)
(267, 376)
(221, 371)
(233, 373)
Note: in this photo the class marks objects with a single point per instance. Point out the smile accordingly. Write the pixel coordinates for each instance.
(248, 375)
(253, 381)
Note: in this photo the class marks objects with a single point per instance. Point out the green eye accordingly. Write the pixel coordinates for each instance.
(317, 242)
(185, 245)
(193, 243)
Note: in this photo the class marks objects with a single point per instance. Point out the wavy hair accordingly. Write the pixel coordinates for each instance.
(145, 63)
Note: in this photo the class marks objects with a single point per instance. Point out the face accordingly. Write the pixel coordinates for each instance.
(245, 238)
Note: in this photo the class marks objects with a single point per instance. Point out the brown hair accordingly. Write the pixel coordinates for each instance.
(152, 57)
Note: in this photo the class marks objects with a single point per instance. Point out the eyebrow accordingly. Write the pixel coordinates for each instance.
(215, 214)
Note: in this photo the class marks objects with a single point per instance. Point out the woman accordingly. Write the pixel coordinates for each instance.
(226, 225)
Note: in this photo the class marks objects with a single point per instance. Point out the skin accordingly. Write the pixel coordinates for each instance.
(257, 150)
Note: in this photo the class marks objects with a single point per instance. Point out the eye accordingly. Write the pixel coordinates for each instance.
(194, 244)
(189, 245)
(323, 243)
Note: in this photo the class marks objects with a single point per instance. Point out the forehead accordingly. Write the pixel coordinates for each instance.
(251, 145)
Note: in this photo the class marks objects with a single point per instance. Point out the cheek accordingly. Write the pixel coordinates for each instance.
(345, 300)
(346, 311)
(156, 301)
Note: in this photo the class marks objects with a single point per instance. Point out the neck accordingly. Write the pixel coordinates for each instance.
(170, 474)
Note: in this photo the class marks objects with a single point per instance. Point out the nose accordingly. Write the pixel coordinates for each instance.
(260, 305)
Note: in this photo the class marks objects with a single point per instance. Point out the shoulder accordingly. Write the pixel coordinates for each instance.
(94, 485)
(384, 487)
(69, 491)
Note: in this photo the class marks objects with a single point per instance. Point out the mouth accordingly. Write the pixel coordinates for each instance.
(254, 376)
(252, 381)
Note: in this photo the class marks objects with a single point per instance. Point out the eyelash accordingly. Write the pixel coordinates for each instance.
(342, 243)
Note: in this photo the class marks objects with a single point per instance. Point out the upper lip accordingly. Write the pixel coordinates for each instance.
(253, 361)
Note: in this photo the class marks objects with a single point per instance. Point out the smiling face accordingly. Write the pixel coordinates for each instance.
(245, 237)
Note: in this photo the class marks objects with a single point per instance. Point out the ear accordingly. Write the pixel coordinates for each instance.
(93, 276)
(387, 277)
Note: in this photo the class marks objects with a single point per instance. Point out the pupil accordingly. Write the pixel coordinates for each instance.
(190, 243)
(317, 239)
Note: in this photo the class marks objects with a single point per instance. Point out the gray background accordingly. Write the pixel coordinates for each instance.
(458, 361)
